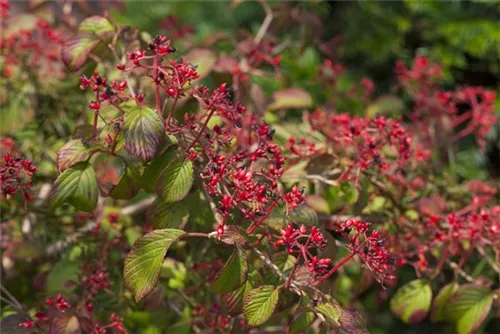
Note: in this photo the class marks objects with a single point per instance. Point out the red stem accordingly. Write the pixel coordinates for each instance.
(252, 228)
(201, 131)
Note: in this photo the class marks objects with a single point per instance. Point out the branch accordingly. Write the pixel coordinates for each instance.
(265, 25)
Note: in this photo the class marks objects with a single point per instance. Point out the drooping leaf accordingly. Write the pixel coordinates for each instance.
(142, 265)
(289, 98)
(72, 152)
(176, 180)
(65, 324)
(469, 307)
(92, 31)
(167, 215)
(76, 185)
(260, 304)
(412, 301)
(331, 311)
(143, 130)
(441, 301)
(155, 168)
(234, 301)
(233, 274)
(128, 185)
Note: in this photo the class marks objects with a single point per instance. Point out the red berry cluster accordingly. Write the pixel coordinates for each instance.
(381, 143)
(455, 235)
(423, 74)
(436, 110)
(4, 9)
(369, 246)
(39, 47)
(41, 316)
(210, 317)
(300, 242)
(115, 323)
(103, 90)
(15, 175)
(177, 30)
(245, 180)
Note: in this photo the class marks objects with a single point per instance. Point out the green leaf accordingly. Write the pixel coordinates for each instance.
(234, 301)
(233, 274)
(438, 309)
(167, 215)
(128, 185)
(469, 307)
(78, 186)
(291, 98)
(142, 265)
(331, 311)
(62, 272)
(302, 322)
(72, 152)
(154, 169)
(176, 180)
(260, 304)
(412, 301)
(143, 130)
(92, 31)
(351, 193)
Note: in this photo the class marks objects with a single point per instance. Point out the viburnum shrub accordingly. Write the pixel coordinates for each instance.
(250, 221)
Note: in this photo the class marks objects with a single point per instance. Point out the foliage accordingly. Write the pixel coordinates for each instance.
(164, 171)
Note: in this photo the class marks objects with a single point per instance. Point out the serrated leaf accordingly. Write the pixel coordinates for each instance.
(412, 301)
(233, 274)
(234, 301)
(76, 185)
(72, 152)
(143, 263)
(127, 186)
(260, 304)
(176, 180)
(440, 303)
(143, 130)
(65, 324)
(287, 98)
(167, 215)
(155, 168)
(302, 322)
(469, 307)
(331, 311)
(91, 32)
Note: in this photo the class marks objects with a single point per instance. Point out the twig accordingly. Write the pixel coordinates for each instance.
(488, 259)
(265, 24)
(459, 270)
